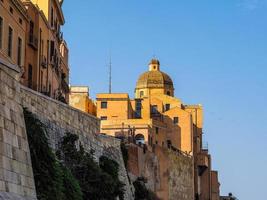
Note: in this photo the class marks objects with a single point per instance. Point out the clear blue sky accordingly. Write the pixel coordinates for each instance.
(216, 53)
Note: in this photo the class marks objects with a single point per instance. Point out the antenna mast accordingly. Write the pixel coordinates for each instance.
(110, 74)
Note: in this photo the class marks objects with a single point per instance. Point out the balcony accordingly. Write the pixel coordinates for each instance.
(59, 36)
(202, 162)
(65, 86)
(33, 41)
(43, 62)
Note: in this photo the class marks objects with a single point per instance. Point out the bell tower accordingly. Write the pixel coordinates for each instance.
(154, 65)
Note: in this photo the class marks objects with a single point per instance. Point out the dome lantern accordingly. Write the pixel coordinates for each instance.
(154, 65)
(154, 81)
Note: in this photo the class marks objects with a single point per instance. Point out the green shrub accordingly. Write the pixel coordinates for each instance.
(97, 181)
(141, 191)
(52, 180)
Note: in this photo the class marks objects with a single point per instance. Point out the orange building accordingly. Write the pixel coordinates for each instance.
(13, 28)
(46, 65)
(156, 118)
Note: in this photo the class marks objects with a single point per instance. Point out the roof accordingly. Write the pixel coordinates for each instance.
(154, 79)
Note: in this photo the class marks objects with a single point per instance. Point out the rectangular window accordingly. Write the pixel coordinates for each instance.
(19, 51)
(138, 108)
(175, 120)
(167, 107)
(1, 32)
(157, 130)
(103, 117)
(154, 109)
(31, 29)
(52, 50)
(10, 41)
(52, 17)
(104, 104)
(30, 76)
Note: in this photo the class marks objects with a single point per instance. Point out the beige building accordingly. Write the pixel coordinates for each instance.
(158, 119)
(79, 98)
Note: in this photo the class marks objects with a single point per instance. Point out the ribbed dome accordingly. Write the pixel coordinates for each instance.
(154, 79)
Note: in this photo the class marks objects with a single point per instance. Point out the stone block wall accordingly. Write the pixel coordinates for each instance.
(169, 173)
(181, 176)
(16, 176)
(60, 118)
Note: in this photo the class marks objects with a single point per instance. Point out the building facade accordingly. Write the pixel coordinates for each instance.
(13, 28)
(46, 65)
(79, 98)
(157, 118)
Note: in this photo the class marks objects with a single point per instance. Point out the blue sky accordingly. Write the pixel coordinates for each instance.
(216, 54)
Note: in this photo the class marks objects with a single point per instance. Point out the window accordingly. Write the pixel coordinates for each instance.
(10, 41)
(138, 108)
(169, 144)
(52, 50)
(104, 104)
(30, 76)
(31, 39)
(103, 117)
(20, 21)
(167, 107)
(1, 32)
(52, 17)
(168, 93)
(141, 93)
(19, 51)
(175, 120)
(11, 10)
(157, 130)
(154, 109)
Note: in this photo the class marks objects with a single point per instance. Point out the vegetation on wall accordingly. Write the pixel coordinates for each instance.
(97, 181)
(52, 179)
(71, 173)
(124, 151)
(141, 191)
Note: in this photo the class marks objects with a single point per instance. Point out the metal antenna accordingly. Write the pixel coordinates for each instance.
(110, 74)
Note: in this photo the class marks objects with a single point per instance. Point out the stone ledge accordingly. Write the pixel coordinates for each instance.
(11, 196)
(9, 65)
(57, 102)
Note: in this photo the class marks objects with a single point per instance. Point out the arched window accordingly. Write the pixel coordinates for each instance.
(140, 139)
(141, 93)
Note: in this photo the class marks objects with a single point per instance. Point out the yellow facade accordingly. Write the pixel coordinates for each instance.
(160, 119)
(79, 98)
(155, 113)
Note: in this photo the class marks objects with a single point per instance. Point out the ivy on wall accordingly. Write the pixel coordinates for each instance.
(71, 173)
(97, 181)
(52, 179)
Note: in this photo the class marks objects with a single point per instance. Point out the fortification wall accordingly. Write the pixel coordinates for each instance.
(60, 118)
(168, 173)
(16, 176)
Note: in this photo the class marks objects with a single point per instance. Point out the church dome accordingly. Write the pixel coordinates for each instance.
(154, 78)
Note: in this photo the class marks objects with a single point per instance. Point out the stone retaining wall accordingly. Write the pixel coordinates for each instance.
(60, 118)
(16, 176)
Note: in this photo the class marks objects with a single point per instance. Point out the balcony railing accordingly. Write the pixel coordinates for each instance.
(65, 86)
(33, 41)
(202, 162)
(44, 62)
